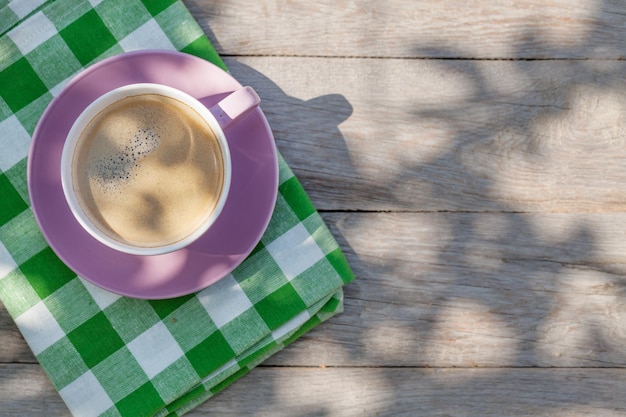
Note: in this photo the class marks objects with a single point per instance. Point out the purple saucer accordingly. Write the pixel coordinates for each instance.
(228, 242)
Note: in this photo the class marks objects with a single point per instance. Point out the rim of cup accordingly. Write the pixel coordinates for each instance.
(82, 122)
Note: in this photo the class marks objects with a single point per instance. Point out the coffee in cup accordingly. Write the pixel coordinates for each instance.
(146, 168)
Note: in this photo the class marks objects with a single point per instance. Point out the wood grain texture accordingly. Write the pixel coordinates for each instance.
(25, 391)
(13, 347)
(277, 392)
(432, 135)
(365, 392)
(416, 29)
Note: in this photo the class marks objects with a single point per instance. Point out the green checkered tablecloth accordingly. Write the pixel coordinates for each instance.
(109, 355)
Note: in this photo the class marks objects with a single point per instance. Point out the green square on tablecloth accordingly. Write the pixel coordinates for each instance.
(88, 37)
(12, 203)
(210, 354)
(20, 85)
(95, 340)
(157, 6)
(302, 208)
(290, 306)
(141, 400)
(46, 272)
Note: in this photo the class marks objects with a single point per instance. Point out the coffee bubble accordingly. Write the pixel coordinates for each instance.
(111, 172)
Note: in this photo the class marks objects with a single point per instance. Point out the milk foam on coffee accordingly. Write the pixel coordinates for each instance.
(148, 170)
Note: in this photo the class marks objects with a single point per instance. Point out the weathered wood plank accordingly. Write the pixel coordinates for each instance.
(13, 348)
(408, 29)
(313, 392)
(26, 391)
(432, 392)
(429, 135)
(459, 289)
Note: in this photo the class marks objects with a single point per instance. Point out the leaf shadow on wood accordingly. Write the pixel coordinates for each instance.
(510, 285)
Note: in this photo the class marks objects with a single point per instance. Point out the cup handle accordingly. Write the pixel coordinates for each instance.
(235, 105)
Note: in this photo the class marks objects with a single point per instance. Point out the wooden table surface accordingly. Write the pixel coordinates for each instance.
(470, 158)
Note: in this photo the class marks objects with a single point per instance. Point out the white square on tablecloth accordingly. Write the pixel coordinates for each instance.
(224, 301)
(85, 396)
(155, 349)
(23, 7)
(14, 142)
(295, 251)
(149, 32)
(39, 327)
(32, 34)
(7, 264)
